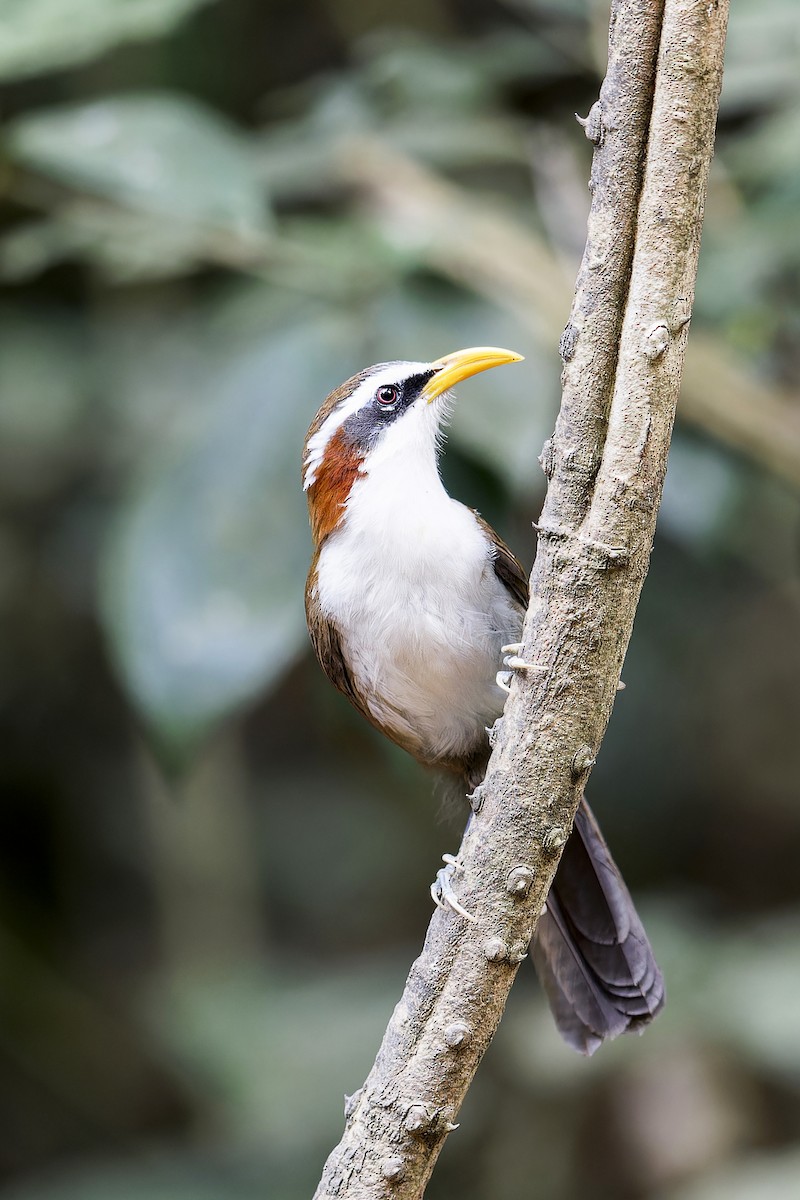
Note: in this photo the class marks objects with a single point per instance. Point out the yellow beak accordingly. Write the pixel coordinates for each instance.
(451, 369)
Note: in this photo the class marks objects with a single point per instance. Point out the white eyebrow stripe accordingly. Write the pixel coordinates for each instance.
(394, 372)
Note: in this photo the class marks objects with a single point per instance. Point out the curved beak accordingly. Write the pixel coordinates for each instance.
(451, 369)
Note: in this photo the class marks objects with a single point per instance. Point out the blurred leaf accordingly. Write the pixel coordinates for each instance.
(759, 155)
(436, 101)
(46, 392)
(467, 73)
(344, 259)
(159, 355)
(735, 986)
(759, 1177)
(702, 487)
(155, 152)
(462, 141)
(280, 1050)
(43, 392)
(41, 35)
(752, 992)
(300, 159)
(740, 263)
(405, 71)
(762, 56)
(203, 580)
(124, 247)
(400, 72)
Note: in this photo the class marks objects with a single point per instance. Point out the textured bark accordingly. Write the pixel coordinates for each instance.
(623, 352)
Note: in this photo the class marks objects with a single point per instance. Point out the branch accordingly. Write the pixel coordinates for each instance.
(606, 467)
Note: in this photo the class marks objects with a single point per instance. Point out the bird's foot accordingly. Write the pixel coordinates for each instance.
(476, 798)
(442, 891)
(514, 662)
(503, 680)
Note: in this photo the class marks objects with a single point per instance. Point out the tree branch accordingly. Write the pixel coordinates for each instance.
(606, 466)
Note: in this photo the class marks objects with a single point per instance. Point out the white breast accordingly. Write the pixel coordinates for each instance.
(409, 582)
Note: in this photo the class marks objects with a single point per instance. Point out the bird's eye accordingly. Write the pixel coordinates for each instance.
(387, 395)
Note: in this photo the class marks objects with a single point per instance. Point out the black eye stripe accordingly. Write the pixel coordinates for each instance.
(363, 429)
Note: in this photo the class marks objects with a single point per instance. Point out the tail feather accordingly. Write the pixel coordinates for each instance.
(591, 951)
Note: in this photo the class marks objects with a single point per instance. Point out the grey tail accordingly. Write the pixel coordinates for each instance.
(591, 951)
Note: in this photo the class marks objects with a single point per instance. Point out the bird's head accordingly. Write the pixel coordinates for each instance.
(384, 413)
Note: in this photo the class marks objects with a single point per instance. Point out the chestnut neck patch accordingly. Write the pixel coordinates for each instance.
(335, 475)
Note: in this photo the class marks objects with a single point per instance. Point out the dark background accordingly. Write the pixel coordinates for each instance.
(213, 875)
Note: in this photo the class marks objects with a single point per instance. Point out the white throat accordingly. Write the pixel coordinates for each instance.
(400, 498)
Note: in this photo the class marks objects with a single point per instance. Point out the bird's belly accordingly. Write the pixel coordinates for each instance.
(424, 653)
(438, 682)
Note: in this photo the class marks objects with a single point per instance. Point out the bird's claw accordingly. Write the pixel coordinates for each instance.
(442, 892)
(503, 680)
(476, 798)
(515, 662)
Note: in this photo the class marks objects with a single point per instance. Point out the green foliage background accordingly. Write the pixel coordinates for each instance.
(213, 877)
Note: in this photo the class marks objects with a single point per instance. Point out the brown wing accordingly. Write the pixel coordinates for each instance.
(506, 567)
(327, 645)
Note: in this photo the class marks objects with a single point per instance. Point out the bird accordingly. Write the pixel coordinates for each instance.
(411, 601)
